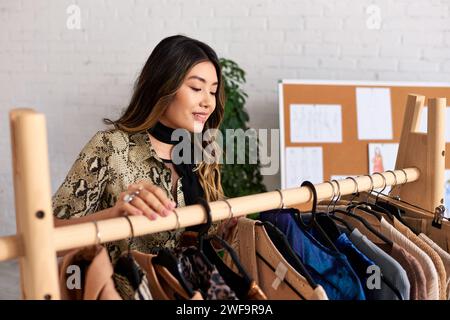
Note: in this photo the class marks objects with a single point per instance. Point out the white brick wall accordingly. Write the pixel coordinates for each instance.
(77, 77)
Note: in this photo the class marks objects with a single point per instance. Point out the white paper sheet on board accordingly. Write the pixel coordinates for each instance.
(382, 156)
(424, 119)
(373, 106)
(316, 123)
(303, 163)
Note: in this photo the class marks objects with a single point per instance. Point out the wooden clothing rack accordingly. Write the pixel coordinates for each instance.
(36, 241)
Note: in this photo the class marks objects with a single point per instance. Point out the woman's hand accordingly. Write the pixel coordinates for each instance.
(146, 199)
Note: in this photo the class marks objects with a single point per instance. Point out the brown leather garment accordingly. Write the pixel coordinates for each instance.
(163, 285)
(95, 268)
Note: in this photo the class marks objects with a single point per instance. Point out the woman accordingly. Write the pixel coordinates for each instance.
(128, 170)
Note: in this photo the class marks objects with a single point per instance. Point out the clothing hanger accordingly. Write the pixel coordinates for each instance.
(313, 223)
(366, 206)
(331, 216)
(211, 253)
(203, 229)
(360, 219)
(281, 207)
(407, 206)
(327, 223)
(363, 205)
(356, 192)
(131, 240)
(395, 211)
(281, 243)
(98, 240)
(167, 259)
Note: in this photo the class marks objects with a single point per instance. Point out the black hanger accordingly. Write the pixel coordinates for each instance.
(395, 211)
(203, 228)
(240, 283)
(361, 219)
(202, 231)
(350, 228)
(366, 224)
(127, 267)
(313, 223)
(168, 260)
(366, 206)
(331, 216)
(281, 243)
(131, 240)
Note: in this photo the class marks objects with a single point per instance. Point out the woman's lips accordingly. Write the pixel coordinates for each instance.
(201, 117)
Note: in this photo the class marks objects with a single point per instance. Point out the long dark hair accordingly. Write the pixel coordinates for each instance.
(160, 78)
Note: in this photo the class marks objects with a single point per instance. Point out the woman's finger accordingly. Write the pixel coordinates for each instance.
(128, 209)
(153, 201)
(161, 195)
(143, 206)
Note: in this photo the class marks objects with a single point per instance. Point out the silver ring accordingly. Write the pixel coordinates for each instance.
(231, 209)
(282, 199)
(130, 196)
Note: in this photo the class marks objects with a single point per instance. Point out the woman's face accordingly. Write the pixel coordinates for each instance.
(195, 100)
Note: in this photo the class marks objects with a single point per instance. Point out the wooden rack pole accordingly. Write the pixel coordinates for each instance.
(34, 218)
(118, 228)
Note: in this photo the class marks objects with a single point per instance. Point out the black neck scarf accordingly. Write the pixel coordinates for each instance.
(191, 186)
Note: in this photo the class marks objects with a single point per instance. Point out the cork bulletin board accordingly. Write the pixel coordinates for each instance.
(350, 156)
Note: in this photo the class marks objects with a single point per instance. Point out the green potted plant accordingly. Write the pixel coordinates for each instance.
(237, 179)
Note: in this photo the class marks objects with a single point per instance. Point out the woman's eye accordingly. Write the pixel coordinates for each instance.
(196, 89)
(213, 93)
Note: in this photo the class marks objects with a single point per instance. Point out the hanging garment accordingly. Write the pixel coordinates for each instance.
(369, 218)
(328, 268)
(359, 263)
(273, 274)
(95, 272)
(445, 256)
(425, 261)
(390, 269)
(414, 271)
(422, 221)
(203, 277)
(437, 261)
(240, 282)
(282, 245)
(163, 285)
(130, 279)
(413, 268)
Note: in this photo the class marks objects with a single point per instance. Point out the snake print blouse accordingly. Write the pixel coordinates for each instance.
(109, 162)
